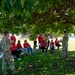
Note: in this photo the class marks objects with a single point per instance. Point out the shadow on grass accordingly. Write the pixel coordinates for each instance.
(45, 64)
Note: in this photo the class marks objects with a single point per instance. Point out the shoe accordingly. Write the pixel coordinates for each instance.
(14, 72)
(19, 58)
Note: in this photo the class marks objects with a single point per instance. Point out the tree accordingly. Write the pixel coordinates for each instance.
(37, 16)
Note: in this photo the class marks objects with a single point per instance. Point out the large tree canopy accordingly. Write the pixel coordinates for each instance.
(37, 16)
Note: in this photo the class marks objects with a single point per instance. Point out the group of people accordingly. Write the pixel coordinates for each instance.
(47, 41)
(17, 49)
(9, 48)
(7, 56)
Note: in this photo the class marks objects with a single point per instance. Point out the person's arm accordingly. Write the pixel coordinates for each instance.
(14, 38)
(0, 48)
(5, 45)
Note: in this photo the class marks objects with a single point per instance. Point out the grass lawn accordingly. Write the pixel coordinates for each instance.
(44, 64)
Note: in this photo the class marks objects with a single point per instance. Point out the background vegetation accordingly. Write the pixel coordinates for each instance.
(37, 16)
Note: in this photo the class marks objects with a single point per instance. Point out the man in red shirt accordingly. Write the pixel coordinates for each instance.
(52, 46)
(27, 45)
(40, 39)
(43, 46)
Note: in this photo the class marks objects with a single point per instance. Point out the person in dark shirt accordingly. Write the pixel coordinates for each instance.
(35, 44)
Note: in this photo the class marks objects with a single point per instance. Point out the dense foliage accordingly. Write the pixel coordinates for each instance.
(37, 16)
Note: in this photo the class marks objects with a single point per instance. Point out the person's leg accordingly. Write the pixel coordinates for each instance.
(11, 64)
(48, 43)
(46, 49)
(34, 47)
(63, 52)
(66, 52)
(58, 46)
(42, 49)
(19, 51)
(31, 51)
(28, 51)
(4, 62)
(16, 53)
(13, 53)
(25, 50)
(52, 49)
(39, 45)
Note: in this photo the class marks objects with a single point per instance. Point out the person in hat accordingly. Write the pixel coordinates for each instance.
(65, 45)
(7, 57)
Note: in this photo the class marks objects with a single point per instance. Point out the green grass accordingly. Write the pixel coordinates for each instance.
(45, 64)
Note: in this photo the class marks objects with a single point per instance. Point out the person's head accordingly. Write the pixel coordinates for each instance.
(18, 41)
(51, 40)
(40, 34)
(6, 34)
(46, 35)
(65, 31)
(25, 40)
(56, 38)
(12, 33)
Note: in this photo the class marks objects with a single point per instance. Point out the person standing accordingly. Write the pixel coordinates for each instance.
(52, 46)
(40, 39)
(7, 57)
(43, 46)
(35, 44)
(65, 45)
(48, 39)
